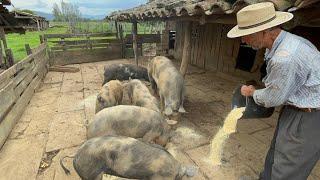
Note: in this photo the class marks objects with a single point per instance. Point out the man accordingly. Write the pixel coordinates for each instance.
(292, 80)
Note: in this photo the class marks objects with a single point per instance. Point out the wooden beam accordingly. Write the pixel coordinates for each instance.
(10, 59)
(117, 29)
(123, 46)
(134, 37)
(3, 37)
(28, 49)
(186, 49)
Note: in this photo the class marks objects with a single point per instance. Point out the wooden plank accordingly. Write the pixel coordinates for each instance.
(186, 49)
(7, 98)
(13, 116)
(9, 73)
(22, 74)
(64, 69)
(85, 41)
(135, 41)
(144, 38)
(218, 49)
(202, 43)
(209, 44)
(24, 84)
(48, 36)
(212, 61)
(86, 55)
(84, 46)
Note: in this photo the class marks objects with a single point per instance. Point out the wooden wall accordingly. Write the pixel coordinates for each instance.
(17, 86)
(210, 48)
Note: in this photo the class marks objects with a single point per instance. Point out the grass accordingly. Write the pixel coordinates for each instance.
(17, 41)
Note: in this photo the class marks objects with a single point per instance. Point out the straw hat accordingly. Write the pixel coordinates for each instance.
(258, 17)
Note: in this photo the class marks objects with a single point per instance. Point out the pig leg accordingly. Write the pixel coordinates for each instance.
(162, 105)
(153, 86)
(167, 108)
(181, 108)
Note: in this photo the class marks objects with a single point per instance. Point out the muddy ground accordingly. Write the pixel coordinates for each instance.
(53, 125)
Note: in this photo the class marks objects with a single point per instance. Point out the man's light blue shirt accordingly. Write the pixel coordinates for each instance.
(293, 74)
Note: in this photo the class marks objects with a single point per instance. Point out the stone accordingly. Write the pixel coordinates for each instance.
(20, 158)
(66, 130)
(70, 101)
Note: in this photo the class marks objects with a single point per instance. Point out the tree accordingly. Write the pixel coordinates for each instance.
(69, 13)
(56, 12)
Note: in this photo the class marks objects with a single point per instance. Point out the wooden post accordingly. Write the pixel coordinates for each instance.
(63, 43)
(38, 25)
(1, 57)
(123, 43)
(3, 37)
(117, 29)
(41, 37)
(28, 49)
(134, 41)
(186, 49)
(10, 59)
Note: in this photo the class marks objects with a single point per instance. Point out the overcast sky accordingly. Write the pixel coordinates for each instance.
(90, 7)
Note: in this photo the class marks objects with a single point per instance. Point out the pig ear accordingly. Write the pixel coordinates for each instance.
(182, 110)
(171, 122)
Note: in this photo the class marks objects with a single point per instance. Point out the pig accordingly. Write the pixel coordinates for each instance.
(124, 72)
(110, 95)
(140, 95)
(131, 121)
(169, 83)
(127, 158)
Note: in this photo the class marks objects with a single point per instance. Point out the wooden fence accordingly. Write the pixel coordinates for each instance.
(82, 48)
(17, 86)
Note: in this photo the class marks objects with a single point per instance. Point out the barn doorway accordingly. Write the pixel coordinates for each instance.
(172, 39)
(246, 58)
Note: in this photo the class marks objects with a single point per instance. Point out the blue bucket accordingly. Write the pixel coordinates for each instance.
(253, 110)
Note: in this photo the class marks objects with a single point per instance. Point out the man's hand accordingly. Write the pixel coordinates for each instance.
(247, 90)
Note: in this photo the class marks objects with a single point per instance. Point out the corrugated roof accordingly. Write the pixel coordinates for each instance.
(178, 8)
(6, 2)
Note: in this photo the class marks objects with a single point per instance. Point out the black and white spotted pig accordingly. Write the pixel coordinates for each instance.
(131, 121)
(140, 95)
(165, 78)
(124, 72)
(110, 95)
(127, 158)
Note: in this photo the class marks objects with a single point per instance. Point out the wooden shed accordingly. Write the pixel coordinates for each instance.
(200, 31)
(31, 22)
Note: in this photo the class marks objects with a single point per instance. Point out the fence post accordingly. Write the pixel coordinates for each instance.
(10, 59)
(117, 29)
(134, 40)
(28, 49)
(63, 43)
(41, 38)
(123, 43)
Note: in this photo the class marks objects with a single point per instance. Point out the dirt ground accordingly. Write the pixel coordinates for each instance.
(53, 125)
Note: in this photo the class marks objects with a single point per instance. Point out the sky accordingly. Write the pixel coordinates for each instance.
(88, 7)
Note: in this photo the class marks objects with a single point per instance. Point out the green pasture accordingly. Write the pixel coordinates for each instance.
(17, 41)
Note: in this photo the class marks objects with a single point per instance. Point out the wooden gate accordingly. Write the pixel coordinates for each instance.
(82, 48)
